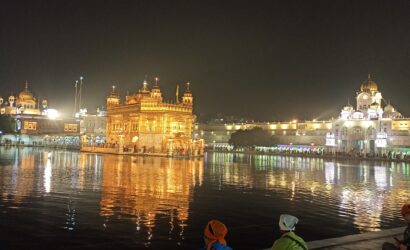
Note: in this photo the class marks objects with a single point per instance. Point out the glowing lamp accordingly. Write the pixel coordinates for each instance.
(52, 113)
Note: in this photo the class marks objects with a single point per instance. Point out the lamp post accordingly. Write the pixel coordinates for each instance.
(75, 97)
(81, 87)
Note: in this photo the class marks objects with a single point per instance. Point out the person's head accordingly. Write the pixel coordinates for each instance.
(287, 222)
(405, 212)
(213, 232)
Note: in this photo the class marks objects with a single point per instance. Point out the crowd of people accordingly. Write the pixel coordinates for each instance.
(215, 232)
(317, 151)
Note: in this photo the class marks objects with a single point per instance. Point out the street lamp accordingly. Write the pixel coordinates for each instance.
(79, 98)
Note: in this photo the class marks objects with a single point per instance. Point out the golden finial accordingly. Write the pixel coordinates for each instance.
(177, 94)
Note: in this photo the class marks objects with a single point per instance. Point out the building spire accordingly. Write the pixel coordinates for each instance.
(369, 77)
(156, 81)
(187, 86)
(26, 85)
(177, 94)
(114, 92)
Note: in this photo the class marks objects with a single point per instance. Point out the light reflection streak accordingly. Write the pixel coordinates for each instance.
(143, 188)
(47, 176)
(380, 176)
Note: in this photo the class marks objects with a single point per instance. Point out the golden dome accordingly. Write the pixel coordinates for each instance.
(26, 94)
(156, 88)
(369, 85)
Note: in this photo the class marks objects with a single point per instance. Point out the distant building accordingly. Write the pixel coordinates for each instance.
(93, 127)
(373, 127)
(145, 123)
(37, 125)
(24, 103)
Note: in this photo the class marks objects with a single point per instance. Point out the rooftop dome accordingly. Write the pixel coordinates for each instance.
(187, 90)
(369, 85)
(156, 88)
(114, 93)
(348, 107)
(389, 108)
(26, 94)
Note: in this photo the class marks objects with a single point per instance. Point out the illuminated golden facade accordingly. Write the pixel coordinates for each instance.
(24, 103)
(146, 124)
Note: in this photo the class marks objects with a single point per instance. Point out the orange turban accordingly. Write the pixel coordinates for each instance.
(215, 231)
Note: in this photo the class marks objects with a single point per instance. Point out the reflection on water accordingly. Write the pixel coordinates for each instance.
(364, 192)
(114, 201)
(143, 188)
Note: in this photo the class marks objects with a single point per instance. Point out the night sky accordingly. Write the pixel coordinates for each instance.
(265, 60)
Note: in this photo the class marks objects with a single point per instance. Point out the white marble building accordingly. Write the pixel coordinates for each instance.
(374, 126)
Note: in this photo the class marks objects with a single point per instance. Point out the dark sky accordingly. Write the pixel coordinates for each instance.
(267, 60)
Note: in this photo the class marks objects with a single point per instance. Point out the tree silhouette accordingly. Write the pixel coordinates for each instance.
(253, 137)
(7, 124)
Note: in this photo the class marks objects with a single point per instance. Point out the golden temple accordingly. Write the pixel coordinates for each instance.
(146, 124)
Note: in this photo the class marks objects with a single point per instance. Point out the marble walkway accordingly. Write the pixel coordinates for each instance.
(372, 240)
